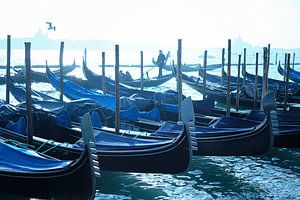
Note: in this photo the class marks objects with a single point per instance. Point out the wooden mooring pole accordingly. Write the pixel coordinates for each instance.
(179, 78)
(142, 70)
(244, 65)
(61, 53)
(28, 93)
(8, 67)
(237, 103)
(103, 74)
(117, 90)
(265, 76)
(286, 86)
(294, 60)
(222, 66)
(204, 74)
(268, 67)
(228, 96)
(256, 80)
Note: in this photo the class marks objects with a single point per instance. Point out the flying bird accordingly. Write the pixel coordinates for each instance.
(50, 26)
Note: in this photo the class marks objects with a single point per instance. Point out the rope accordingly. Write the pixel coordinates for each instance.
(19, 144)
(58, 144)
(43, 144)
(49, 142)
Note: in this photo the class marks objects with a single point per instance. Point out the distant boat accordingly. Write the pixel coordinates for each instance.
(293, 74)
(133, 83)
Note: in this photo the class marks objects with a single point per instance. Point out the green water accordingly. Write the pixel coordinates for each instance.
(275, 175)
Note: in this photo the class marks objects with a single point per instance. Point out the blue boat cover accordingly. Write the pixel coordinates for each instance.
(15, 159)
(75, 91)
(18, 127)
(108, 141)
(95, 119)
(173, 129)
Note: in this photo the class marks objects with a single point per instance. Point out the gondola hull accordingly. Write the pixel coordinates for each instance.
(72, 183)
(147, 82)
(250, 143)
(172, 154)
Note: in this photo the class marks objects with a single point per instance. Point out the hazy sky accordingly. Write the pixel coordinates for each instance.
(200, 23)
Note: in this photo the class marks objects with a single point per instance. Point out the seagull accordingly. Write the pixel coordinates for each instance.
(50, 26)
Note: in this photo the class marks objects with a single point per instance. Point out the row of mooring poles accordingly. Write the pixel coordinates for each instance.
(28, 86)
(28, 82)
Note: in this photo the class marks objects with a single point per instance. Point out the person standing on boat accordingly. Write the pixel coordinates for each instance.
(161, 62)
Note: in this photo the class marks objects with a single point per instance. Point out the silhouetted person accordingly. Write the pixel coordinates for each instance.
(121, 75)
(127, 76)
(161, 62)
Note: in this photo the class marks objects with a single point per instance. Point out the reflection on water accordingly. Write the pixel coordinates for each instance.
(273, 176)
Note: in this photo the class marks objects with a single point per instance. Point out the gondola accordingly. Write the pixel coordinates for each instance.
(251, 141)
(96, 82)
(219, 93)
(217, 79)
(153, 82)
(192, 67)
(27, 173)
(162, 104)
(293, 74)
(75, 91)
(36, 75)
(116, 152)
(293, 87)
(232, 122)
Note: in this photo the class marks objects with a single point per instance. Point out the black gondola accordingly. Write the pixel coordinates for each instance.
(26, 173)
